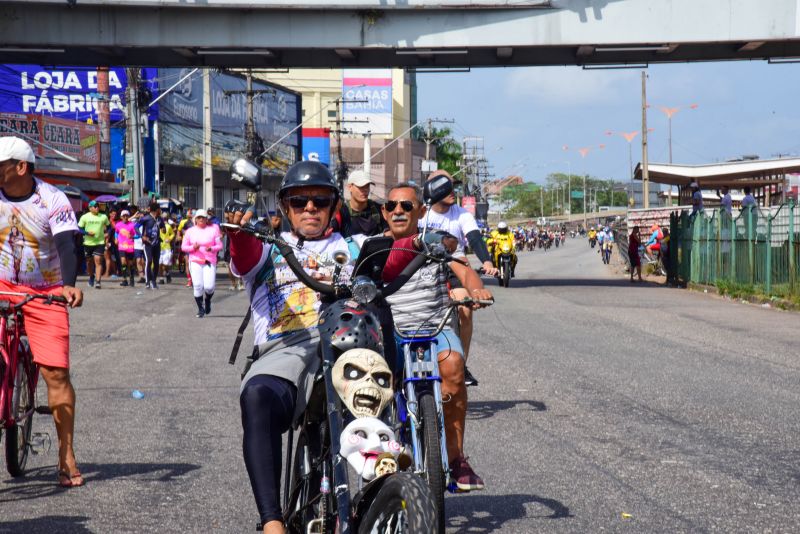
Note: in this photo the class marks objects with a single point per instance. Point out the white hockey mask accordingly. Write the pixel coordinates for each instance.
(363, 381)
(370, 447)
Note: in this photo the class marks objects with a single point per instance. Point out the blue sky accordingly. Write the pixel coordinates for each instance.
(526, 115)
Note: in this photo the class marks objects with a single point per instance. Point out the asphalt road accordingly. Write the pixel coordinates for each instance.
(602, 406)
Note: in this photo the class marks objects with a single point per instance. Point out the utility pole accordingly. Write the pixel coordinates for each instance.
(541, 200)
(135, 154)
(208, 170)
(645, 172)
(252, 140)
(584, 200)
(367, 155)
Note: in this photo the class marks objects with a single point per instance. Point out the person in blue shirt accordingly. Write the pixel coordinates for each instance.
(697, 198)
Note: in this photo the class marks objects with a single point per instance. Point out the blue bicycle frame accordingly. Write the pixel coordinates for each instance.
(420, 373)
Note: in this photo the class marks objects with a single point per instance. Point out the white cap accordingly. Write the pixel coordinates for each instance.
(359, 179)
(15, 148)
(123, 213)
(694, 184)
(201, 213)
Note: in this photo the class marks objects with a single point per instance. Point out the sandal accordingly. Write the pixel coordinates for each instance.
(65, 480)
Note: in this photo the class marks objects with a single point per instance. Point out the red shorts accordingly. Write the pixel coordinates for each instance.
(47, 325)
(655, 246)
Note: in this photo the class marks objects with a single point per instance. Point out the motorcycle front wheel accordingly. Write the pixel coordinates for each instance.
(404, 504)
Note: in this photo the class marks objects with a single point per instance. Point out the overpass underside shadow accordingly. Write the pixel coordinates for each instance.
(577, 282)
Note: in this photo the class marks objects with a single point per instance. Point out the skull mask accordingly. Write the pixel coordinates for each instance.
(368, 443)
(363, 381)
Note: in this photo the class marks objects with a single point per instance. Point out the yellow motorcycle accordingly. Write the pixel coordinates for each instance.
(504, 260)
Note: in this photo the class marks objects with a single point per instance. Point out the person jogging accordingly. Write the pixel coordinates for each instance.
(149, 227)
(201, 243)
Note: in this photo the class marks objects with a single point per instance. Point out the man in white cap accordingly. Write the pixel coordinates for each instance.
(359, 215)
(43, 226)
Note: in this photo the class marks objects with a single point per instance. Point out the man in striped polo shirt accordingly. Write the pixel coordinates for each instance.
(424, 299)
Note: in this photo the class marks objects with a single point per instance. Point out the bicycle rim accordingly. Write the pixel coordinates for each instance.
(19, 435)
(403, 505)
(431, 442)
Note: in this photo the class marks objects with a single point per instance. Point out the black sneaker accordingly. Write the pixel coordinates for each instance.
(169, 279)
(141, 280)
(97, 285)
(162, 281)
(469, 380)
(200, 313)
(91, 281)
(124, 283)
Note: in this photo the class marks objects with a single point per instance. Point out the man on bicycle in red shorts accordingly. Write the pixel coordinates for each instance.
(42, 259)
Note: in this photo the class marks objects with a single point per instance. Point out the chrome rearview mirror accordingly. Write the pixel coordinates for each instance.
(246, 173)
(436, 189)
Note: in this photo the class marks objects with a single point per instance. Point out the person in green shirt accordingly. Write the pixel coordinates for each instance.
(93, 225)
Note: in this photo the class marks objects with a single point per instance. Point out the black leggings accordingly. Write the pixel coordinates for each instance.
(151, 254)
(268, 404)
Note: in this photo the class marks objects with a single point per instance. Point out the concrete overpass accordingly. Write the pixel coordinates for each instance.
(420, 34)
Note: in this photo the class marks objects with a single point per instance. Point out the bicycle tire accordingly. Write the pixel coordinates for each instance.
(403, 496)
(304, 491)
(431, 443)
(19, 435)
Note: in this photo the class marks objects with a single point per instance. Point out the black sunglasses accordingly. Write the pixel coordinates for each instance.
(301, 201)
(407, 205)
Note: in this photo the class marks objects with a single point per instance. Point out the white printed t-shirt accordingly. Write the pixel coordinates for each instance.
(28, 253)
(456, 221)
(282, 304)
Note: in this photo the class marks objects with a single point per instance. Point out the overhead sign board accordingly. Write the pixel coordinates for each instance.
(367, 95)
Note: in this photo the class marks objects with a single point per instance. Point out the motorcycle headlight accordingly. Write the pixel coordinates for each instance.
(506, 248)
(364, 290)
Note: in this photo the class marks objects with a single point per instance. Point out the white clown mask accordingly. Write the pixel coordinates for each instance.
(363, 381)
(367, 441)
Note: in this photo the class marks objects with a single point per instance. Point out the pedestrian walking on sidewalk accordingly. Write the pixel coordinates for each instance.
(201, 243)
(634, 242)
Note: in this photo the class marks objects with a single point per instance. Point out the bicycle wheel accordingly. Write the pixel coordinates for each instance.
(306, 503)
(432, 453)
(404, 504)
(19, 435)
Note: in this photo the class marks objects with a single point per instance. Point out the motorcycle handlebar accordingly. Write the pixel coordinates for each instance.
(327, 289)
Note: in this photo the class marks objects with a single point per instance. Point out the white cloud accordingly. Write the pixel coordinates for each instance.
(570, 86)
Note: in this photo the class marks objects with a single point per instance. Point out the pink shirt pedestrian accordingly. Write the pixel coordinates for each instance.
(209, 241)
(125, 232)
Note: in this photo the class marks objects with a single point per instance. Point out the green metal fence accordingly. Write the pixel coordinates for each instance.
(756, 247)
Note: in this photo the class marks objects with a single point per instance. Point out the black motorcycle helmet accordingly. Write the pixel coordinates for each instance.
(308, 173)
(305, 173)
(347, 327)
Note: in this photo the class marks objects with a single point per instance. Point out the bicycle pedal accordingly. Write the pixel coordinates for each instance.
(43, 410)
(39, 443)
